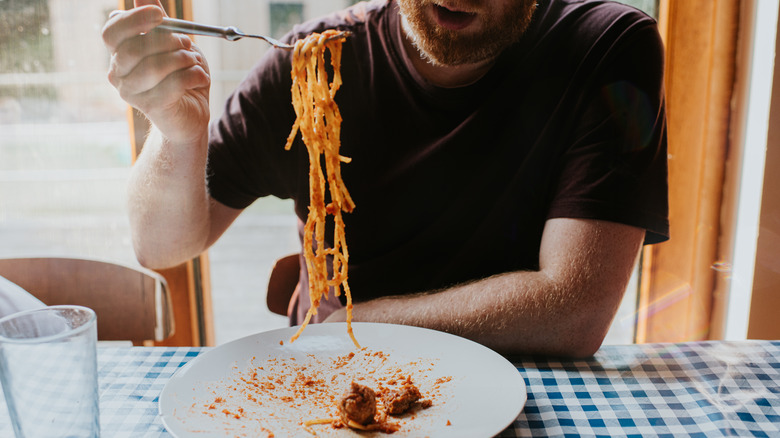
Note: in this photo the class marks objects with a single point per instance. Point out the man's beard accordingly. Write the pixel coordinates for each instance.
(499, 29)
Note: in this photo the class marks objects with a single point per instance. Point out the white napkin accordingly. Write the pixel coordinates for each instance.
(15, 299)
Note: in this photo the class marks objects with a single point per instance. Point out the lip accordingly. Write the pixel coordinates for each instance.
(451, 18)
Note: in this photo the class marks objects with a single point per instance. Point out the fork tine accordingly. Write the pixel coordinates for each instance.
(284, 46)
(272, 41)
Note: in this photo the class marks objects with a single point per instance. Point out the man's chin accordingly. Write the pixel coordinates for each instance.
(445, 46)
(457, 55)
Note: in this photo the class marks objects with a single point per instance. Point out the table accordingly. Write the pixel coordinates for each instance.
(651, 390)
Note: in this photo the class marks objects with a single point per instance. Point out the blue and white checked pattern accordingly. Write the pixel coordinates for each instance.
(130, 380)
(653, 390)
(708, 389)
(52, 396)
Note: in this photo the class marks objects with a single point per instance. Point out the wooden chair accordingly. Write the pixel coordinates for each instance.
(131, 303)
(282, 283)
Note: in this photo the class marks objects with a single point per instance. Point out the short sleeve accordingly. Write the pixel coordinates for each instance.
(615, 167)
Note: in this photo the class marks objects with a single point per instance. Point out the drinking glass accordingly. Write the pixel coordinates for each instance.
(48, 370)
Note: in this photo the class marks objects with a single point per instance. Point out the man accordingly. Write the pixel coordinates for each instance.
(508, 159)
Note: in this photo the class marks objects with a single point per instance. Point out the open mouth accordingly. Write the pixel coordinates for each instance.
(454, 20)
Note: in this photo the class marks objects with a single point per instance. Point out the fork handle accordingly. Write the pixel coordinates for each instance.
(229, 33)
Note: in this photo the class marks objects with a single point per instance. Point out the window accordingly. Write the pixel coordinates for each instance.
(623, 328)
(283, 16)
(650, 7)
(241, 261)
(64, 148)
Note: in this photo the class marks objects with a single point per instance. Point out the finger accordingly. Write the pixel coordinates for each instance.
(139, 3)
(134, 50)
(173, 88)
(153, 70)
(128, 24)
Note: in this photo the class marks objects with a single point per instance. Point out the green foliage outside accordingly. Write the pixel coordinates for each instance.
(25, 45)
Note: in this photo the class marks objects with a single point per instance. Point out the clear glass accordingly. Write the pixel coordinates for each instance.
(623, 328)
(650, 7)
(64, 145)
(241, 260)
(48, 370)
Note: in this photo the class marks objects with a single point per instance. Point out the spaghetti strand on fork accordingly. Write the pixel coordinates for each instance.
(319, 121)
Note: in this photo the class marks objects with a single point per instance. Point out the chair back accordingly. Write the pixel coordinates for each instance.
(131, 303)
(282, 283)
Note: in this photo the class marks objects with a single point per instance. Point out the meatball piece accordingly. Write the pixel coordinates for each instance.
(358, 405)
(400, 400)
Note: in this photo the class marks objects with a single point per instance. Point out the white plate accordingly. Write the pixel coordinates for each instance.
(484, 395)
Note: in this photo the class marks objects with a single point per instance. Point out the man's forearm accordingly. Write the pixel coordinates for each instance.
(563, 309)
(168, 202)
(518, 312)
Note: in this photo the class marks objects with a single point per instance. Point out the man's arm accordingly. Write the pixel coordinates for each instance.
(172, 216)
(563, 309)
(163, 75)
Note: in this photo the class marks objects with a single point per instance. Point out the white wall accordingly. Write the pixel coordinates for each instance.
(757, 86)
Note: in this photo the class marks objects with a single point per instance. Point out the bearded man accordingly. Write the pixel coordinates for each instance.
(508, 160)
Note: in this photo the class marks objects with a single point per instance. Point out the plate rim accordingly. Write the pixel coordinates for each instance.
(520, 390)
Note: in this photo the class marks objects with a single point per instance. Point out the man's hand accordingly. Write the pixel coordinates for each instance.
(160, 73)
(339, 315)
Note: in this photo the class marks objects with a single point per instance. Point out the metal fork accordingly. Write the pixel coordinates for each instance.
(230, 33)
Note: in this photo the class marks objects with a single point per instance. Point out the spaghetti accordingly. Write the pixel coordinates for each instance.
(319, 121)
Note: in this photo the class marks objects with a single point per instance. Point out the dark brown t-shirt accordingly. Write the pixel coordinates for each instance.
(452, 185)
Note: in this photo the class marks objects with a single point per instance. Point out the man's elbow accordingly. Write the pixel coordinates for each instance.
(564, 344)
(585, 338)
(586, 347)
(148, 260)
(577, 341)
(154, 258)
(578, 347)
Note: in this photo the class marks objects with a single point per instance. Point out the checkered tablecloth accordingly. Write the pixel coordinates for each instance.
(652, 390)
(130, 380)
(708, 389)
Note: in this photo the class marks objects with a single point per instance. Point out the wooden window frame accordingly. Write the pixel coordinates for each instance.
(189, 283)
(686, 282)
(678, 279)
(754, 296)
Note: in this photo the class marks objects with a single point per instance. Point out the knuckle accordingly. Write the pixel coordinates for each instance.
(132, 51)
(202, 76)
(112, 78)
(123, 93)
(194, 77)
(105, 35)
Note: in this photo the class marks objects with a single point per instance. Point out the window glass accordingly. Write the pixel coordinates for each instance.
(241, 260)
(64, 145)
(283, 16)
(650, 7)
(623, 328)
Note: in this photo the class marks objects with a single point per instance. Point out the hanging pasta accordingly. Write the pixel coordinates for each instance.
(319, 122)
